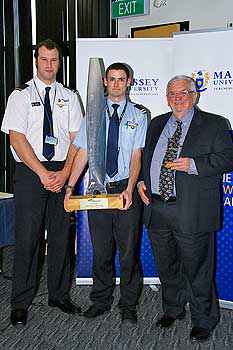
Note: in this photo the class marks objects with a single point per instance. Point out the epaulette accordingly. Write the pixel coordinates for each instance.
(67, 87)
(76, 92)
(140, 107)
(21, 87)
(73, 90)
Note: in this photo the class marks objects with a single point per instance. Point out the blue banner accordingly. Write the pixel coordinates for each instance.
(224, 247)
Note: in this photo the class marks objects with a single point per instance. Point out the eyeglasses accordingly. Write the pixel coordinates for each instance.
(120, 80)
(182, 94)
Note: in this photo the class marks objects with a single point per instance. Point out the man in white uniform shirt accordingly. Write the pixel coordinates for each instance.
(42, 119)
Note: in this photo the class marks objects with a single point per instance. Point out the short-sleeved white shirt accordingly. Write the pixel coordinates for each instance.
(25, 114)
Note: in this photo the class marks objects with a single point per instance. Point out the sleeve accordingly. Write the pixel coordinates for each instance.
(192, 168)
(219, 160)
(140, 135)
(80, 140)
(145, 160)
(76, 112)
(16, 113)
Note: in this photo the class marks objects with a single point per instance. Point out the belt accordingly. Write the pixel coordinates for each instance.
(117, 183)
(159, 198)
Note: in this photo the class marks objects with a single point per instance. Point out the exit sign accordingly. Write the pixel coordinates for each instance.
(126, 8)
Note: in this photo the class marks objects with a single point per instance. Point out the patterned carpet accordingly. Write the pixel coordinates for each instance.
(50, 329)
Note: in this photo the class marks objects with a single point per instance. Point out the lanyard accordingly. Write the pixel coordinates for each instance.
(122, 113)
(46, 111)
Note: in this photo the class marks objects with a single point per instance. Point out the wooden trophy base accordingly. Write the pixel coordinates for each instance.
(99, 201)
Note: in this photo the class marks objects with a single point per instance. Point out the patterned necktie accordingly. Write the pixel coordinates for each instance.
(166, 179)
(48, 149)
(112, 144)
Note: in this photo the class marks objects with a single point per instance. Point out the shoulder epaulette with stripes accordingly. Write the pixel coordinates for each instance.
(21, 87)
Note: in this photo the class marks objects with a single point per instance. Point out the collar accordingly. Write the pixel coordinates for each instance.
(120, 103)
(41, 85)
(186, 119)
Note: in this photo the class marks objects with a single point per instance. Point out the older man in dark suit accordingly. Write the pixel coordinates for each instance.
(186, 153)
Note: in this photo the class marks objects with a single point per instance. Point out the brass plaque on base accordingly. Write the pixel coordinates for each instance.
(99, 201)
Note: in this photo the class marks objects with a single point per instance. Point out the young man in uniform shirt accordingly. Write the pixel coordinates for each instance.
(120, 227)
(42, 119)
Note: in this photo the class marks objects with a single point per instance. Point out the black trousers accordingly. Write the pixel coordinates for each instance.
(110, 228)
(186, 266)
(37, 208)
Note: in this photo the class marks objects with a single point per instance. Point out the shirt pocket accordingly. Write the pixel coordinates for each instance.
(61, 118)
(127, 137)
(36, 119)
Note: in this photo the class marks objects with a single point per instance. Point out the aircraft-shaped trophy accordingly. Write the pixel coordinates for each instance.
(96, 195)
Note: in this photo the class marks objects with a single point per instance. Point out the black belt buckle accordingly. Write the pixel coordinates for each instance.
(171, 199)
(111, 185)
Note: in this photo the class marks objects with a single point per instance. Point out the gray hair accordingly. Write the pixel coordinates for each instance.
(191, 81)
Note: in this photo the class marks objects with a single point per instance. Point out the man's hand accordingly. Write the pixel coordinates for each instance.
(59, 180)
(142, 193)
(126, 195)
(47, 178)
(69, 192)
(180, 164)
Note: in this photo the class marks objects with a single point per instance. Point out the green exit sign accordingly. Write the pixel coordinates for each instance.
(126, 8)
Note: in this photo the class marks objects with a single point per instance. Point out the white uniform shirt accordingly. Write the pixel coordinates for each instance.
(25, 114)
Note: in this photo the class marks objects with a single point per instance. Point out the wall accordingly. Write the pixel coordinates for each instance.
(202, 14)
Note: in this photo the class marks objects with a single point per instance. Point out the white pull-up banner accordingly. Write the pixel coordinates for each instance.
(151, 62)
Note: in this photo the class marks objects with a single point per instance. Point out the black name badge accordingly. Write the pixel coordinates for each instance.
(34, 104)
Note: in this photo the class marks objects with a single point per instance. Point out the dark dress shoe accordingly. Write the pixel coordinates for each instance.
(199, 334)
(129, 316)
(167, 321)
(65, 306)
(95, 311)
(19, 317)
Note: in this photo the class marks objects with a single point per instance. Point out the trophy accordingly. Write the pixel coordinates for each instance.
(96, 195)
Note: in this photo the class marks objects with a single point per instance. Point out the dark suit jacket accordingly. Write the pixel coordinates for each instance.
(209, 143)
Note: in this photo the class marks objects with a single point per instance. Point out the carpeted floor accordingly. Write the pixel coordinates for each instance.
(50, 329)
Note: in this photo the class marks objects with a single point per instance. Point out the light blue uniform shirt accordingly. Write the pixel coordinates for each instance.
(132, 134)
(161, 148)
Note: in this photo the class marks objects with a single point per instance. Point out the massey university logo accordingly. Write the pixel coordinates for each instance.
(145, 86)
(202, 79)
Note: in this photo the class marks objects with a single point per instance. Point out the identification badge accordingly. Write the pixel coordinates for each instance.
(51, 140)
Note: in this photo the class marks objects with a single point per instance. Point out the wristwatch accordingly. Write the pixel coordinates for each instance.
(70, 187)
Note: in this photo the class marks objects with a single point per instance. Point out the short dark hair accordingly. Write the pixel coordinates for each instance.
(50, 45)
(118, 66)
